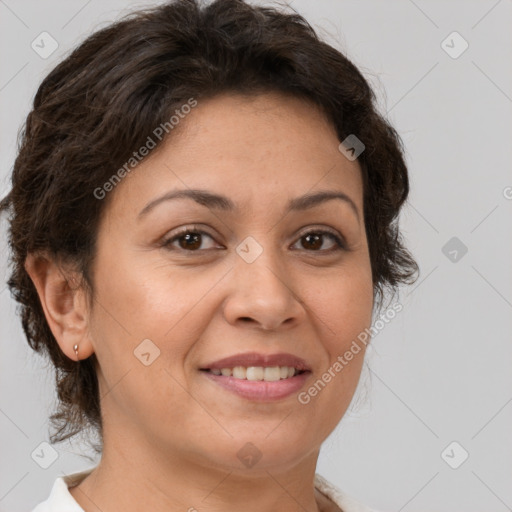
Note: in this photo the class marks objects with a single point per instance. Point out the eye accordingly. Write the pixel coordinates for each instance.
(189, 239)
(314, 240)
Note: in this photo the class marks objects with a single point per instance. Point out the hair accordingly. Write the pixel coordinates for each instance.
(98, 106)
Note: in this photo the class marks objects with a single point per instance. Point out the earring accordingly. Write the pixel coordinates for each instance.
(75, 348)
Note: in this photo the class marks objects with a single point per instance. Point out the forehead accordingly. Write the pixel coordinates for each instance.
(262, 149)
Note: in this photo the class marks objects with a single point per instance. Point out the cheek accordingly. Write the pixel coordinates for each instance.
(141, 299)
(343, 303)
(343, 310)
(136, 301)
(130, 309)
(343, 307)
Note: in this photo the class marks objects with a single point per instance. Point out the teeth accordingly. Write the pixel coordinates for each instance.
(254, 373)
(272, 374)
(239, 372)
(269, 374)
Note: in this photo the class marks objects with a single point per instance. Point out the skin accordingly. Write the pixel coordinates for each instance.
(171, 436)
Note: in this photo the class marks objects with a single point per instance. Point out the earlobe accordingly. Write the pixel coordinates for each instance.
(63, 303)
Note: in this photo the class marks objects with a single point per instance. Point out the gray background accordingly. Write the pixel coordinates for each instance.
(441, 370)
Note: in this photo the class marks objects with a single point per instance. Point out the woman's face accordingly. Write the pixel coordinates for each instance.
(257, 276)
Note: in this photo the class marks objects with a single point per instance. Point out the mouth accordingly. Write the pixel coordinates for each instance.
(273, 365)
(257, 373)
(259, 377)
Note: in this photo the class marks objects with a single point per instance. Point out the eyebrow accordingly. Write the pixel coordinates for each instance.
(220, 202)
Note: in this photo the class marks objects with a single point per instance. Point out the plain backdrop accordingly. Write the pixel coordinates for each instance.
(438, 385)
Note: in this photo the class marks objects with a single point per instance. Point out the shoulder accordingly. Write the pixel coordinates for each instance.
(343, 500)
(60, 499)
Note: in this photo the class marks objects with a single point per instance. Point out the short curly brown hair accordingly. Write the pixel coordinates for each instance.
(99, 105)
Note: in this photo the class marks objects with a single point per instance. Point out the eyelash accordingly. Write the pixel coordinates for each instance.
(340, 243)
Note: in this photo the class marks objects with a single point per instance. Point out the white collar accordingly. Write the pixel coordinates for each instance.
(60, 499)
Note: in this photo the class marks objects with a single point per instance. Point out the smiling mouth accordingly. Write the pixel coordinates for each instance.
(257, 373)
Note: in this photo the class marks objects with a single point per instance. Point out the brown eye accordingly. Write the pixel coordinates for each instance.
(314, 240)
(190, 240)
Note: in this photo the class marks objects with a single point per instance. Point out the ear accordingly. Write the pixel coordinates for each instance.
(64, 304)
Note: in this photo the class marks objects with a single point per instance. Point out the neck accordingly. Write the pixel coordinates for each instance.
(128, 479)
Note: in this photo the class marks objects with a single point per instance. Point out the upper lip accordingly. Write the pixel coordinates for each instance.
(256, 359)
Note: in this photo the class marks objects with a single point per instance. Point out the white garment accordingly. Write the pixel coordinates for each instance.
(60, 499)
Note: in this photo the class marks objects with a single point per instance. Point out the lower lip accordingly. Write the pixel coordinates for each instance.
(260, 390)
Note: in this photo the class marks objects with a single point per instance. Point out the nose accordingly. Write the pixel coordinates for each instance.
(263, 295)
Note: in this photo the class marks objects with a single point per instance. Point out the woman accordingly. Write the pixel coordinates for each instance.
(203, 220)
